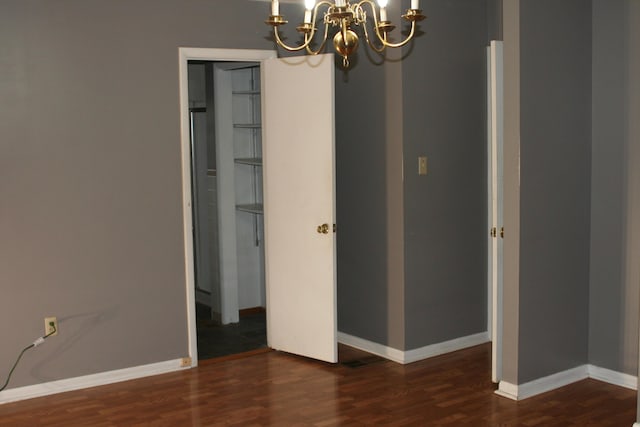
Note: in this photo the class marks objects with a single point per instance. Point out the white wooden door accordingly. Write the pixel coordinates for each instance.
(299, 196)
(495, 220)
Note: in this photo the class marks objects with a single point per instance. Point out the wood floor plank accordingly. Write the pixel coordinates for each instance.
(277, 389)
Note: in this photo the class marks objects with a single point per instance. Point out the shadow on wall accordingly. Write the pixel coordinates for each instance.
(88, 324)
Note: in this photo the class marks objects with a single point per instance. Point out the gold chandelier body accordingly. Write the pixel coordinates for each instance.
(345, 16)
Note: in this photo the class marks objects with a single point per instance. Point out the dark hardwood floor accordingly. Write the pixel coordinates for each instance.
(272, 388)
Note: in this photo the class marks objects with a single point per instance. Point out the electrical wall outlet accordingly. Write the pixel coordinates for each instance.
(51, 325)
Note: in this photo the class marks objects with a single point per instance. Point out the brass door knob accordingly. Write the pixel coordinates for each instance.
(323, 229)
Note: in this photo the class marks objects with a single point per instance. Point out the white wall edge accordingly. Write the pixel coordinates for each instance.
(410, 356)
(93, 380)
(613, 377)
(636, 424)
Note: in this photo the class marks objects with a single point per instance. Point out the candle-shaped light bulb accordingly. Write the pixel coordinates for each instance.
(383, 9)
(415, 4)
(275, 7)
(308, 4)
(341, 3)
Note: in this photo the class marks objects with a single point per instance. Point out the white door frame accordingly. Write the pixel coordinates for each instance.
(203, 54)
(494, 204)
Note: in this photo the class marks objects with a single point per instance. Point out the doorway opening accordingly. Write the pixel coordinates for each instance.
(228, 227)
(299, 200)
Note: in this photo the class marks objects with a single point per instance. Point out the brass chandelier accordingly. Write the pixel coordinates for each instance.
(345, 16)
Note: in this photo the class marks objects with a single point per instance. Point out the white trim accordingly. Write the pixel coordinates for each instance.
(560, 379)
(93, 380)
(544, 384)
(446, 347)
(553, 381)
(613, 377)
(490, 214)
(187, 216)
(207, 54)
(371, 347)
(508, 390)
(185, 54)
(636, 424)
(414, 355)
(495, 129)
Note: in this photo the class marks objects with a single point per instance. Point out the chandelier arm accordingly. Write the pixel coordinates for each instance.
(382, 37)
(399, 44)
(371, 4)
(320, 3)
(289, 48)
(324, 42)
(358, 7)
(308, 36)
(378, 49)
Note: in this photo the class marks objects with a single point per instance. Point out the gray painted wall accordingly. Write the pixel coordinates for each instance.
(411, 249)
(364, 253)
(613, 309)
(444, 104)
(90, 180)
(511, 191)
(633, 103)
(555, 191)
(574, 221)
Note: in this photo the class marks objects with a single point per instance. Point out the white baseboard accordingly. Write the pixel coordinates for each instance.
(551, 382)
(102, 378)
(371, 347)
(636, 424)
(542, 385)
(508, 390)
(446, 347)
(414, 355)
(613, 377)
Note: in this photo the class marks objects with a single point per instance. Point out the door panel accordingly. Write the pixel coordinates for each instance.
(299, 195)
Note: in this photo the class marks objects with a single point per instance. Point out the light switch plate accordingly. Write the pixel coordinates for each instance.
(422, 165)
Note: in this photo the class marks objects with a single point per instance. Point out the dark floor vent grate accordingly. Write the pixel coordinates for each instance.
(358, 363)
